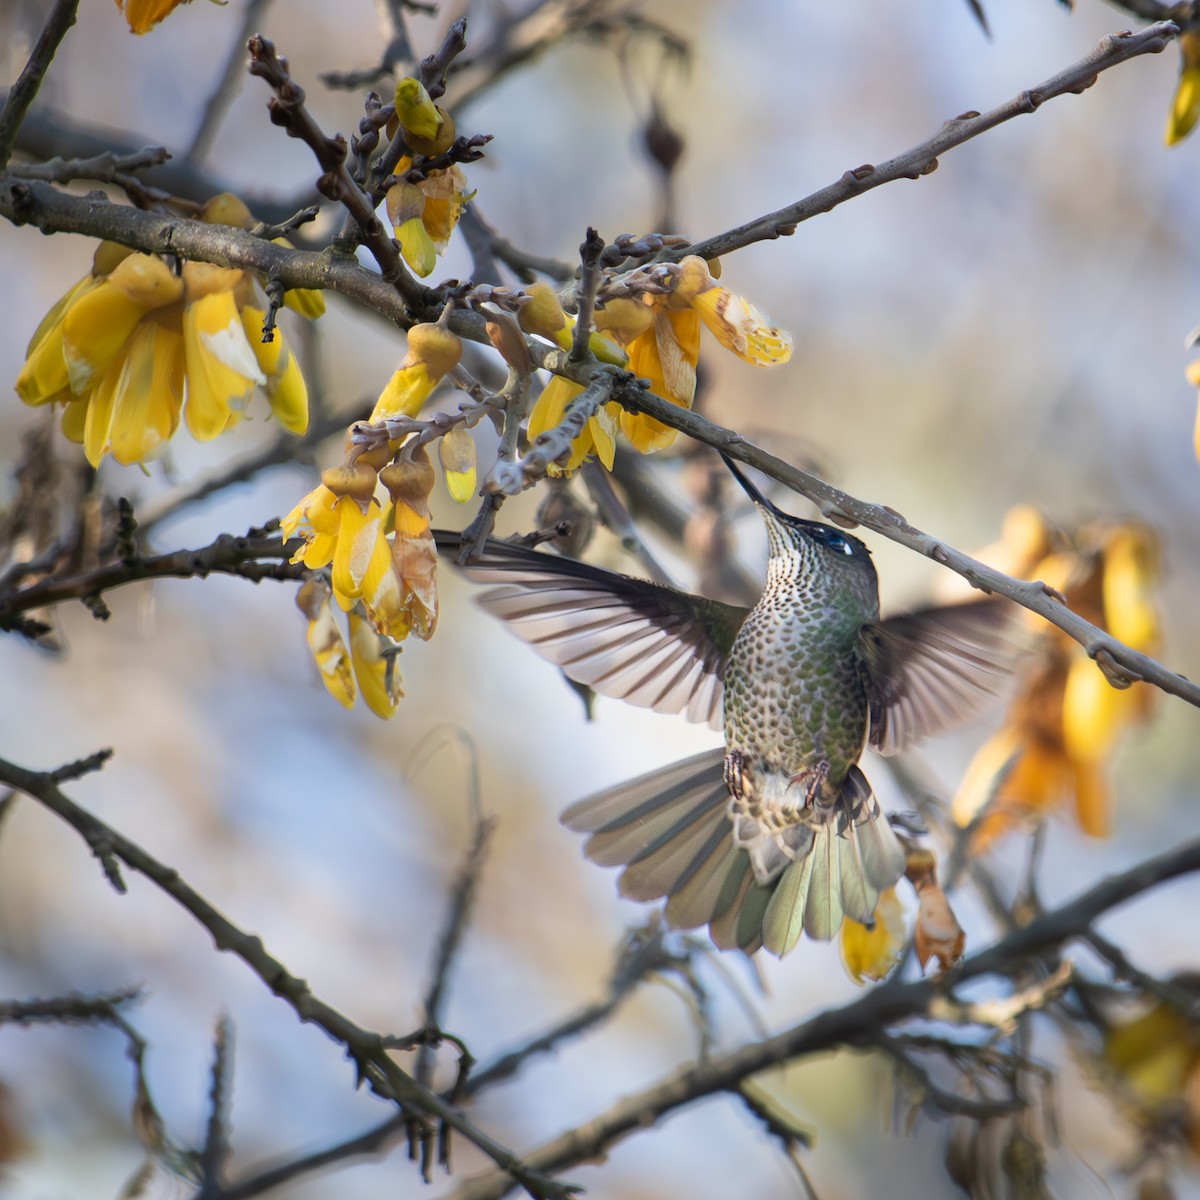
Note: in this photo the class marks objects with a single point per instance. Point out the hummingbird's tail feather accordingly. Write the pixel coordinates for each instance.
(672, 832)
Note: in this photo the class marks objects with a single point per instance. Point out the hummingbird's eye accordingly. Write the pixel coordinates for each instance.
(832, 539)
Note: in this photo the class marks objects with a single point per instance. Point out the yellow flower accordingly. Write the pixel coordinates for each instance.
(413, 606)
(425, 214)
(869, 952)
(375, 671)
(1066, 720)
(222, 369)
(598, 436)
(143, 15)
(433, 352)
(326, 642)
(136, 342)
(286, 389)
(1185, 108)
(339, 667)
(1155, 1059)
(664, 342)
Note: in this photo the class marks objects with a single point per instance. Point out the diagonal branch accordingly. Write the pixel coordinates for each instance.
(62, 17)
(364, 1047)
(922, 159)
(248, 557)
(854, 1024)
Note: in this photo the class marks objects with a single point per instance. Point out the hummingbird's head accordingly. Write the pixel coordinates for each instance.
(811, 547)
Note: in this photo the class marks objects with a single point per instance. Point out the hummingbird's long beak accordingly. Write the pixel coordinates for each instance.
(754, 493)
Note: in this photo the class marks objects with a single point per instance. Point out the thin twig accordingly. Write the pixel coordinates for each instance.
(225, 89)
(922, 159)
(22, 93)
(253, 558)
(365, 1048)
(880, 1008)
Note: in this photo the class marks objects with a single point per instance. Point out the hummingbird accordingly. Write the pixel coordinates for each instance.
(778, 833)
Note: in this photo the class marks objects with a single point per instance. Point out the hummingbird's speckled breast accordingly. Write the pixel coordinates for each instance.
(795, 697)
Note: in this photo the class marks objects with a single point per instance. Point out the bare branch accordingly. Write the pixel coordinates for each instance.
(923, 158)
(366, 1049)
(851, 1025)
(62, 17)
(253, 558)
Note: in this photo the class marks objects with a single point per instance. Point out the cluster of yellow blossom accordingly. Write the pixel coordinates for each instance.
(869, 952)
(380, 555)
(136, 344)
(1154, 1058)
(659, 335)
(1065, 722)
(424, 214)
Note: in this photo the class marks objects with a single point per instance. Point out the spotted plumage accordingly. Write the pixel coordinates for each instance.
(778, 834)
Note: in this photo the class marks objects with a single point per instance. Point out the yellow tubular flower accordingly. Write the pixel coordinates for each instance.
(286, 389)
(414, 554)
(433, 352)
(666, 354)
(378, 679)
(360, 546)
(1066, 721)
(1185, 108)
(221, 366)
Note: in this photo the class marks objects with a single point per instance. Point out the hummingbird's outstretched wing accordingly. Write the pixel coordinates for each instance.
(627, 638)
(671, 831)
(930, 670)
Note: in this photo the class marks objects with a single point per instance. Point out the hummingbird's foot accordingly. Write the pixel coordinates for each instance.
(813, 780)
(735, 776)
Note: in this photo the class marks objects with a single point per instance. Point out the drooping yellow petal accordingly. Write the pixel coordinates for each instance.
(95, 328)
(221, 367)
(1153, 1053)
(44, 373)
(1130, 578)
(1185, 108)
(457, 452)
(404, 393)
(143, 15)
(870, 953)
(74, 418)
(445, 197)
(981, 780)
(325, 641)
(358, 533)
(1095, 714)
(433, 351)
(286, 389)
(731, 319)
(417, 246)
(149, 394)
(98, 419)
(548, 412)
(604, 427)
(376, 674)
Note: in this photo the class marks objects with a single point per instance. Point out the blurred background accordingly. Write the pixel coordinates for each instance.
(1008, 329)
